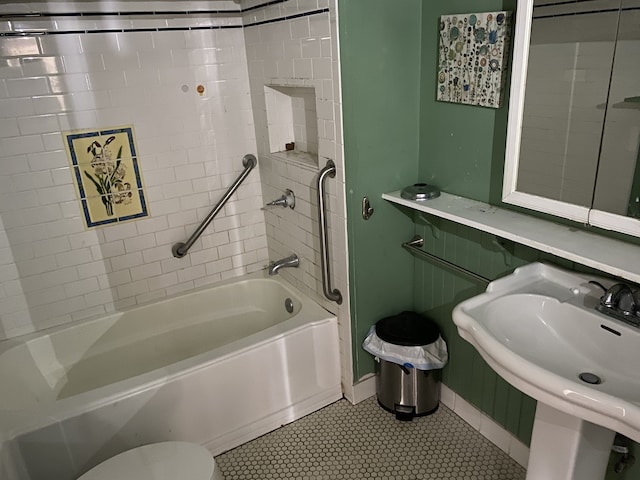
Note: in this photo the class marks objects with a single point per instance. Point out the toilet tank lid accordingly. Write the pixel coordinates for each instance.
(157, 461)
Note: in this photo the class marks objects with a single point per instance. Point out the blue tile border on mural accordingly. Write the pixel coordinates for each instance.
(107, 175)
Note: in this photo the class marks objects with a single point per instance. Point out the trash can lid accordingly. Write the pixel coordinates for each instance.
(409, 329)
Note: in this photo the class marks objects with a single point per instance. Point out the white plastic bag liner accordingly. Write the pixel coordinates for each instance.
(422, 357)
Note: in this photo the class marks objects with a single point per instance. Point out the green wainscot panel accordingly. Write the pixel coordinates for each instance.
(438, 290)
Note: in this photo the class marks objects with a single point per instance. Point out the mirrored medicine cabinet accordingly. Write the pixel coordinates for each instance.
(574, 116)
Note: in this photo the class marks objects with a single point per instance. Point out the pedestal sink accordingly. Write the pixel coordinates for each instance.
(539, 330)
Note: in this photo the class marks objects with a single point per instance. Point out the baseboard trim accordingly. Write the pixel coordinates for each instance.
(362, 390)
(487, 426)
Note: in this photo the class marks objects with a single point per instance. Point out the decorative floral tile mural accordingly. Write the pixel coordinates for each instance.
(474, 48)
(106, 175)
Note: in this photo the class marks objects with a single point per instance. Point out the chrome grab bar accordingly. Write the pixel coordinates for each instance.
(417, 241)
(180, 249)
(332, 294)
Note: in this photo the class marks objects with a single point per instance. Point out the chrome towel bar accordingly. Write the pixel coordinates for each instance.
(180, 249)
(414, 246)
(332, 294)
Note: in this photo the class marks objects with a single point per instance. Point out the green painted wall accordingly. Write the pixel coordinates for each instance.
(380, 55)
(462, 152)
(461, 146)
(395, 133)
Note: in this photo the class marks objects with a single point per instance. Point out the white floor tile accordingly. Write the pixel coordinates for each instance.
(345, 441)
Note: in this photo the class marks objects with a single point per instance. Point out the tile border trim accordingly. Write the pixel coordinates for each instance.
(236, 14)
(288, 17)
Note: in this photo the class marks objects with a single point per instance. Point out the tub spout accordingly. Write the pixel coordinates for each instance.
(290, 261)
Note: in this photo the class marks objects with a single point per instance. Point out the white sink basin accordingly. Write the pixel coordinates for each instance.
(538, 329)
(567, 340)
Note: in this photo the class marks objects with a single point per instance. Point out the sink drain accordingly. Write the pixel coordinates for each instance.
(591, 378)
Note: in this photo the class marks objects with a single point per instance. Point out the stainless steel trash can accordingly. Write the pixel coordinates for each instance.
(407, 392)
(403, 389)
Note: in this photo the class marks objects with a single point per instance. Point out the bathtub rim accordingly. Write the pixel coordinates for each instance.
(16, 422)
(8, 343)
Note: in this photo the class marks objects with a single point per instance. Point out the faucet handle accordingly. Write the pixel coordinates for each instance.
(288, 199)
(636, 299)
(611, 297)
(621, 298)
(627, 303)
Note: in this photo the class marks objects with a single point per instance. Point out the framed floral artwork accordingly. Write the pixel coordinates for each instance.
(106, 174)
(472, 58)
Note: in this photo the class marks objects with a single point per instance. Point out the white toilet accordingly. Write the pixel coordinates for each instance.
(158, 461)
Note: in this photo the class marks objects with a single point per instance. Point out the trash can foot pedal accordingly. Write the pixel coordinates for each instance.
(404, 413)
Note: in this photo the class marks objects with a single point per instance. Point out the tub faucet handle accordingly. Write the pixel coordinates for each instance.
(288, 199)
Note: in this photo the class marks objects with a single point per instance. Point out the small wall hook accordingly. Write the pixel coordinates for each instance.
(367, 211)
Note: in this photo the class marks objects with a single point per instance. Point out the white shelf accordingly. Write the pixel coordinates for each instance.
(612, 256)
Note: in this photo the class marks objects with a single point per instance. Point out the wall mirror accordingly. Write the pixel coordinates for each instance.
(574, 115)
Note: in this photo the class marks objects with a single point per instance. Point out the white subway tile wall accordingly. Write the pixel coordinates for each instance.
(52, 271)
(302, 52)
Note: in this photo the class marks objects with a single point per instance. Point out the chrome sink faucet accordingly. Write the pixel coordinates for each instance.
(290, 261)
(621, 302)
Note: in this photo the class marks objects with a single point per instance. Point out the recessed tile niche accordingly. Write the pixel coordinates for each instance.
(292, 122)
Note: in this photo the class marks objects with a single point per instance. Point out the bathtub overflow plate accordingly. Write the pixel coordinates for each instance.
(288, 305)
(590, 378)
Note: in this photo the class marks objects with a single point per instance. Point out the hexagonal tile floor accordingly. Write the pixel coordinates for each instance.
(343, 441)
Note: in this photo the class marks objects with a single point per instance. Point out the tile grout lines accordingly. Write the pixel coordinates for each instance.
(346, 442)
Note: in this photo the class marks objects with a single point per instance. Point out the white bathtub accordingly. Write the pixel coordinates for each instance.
(217, 367)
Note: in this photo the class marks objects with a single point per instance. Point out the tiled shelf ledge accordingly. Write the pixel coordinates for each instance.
(612, 256)
(298, 156)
